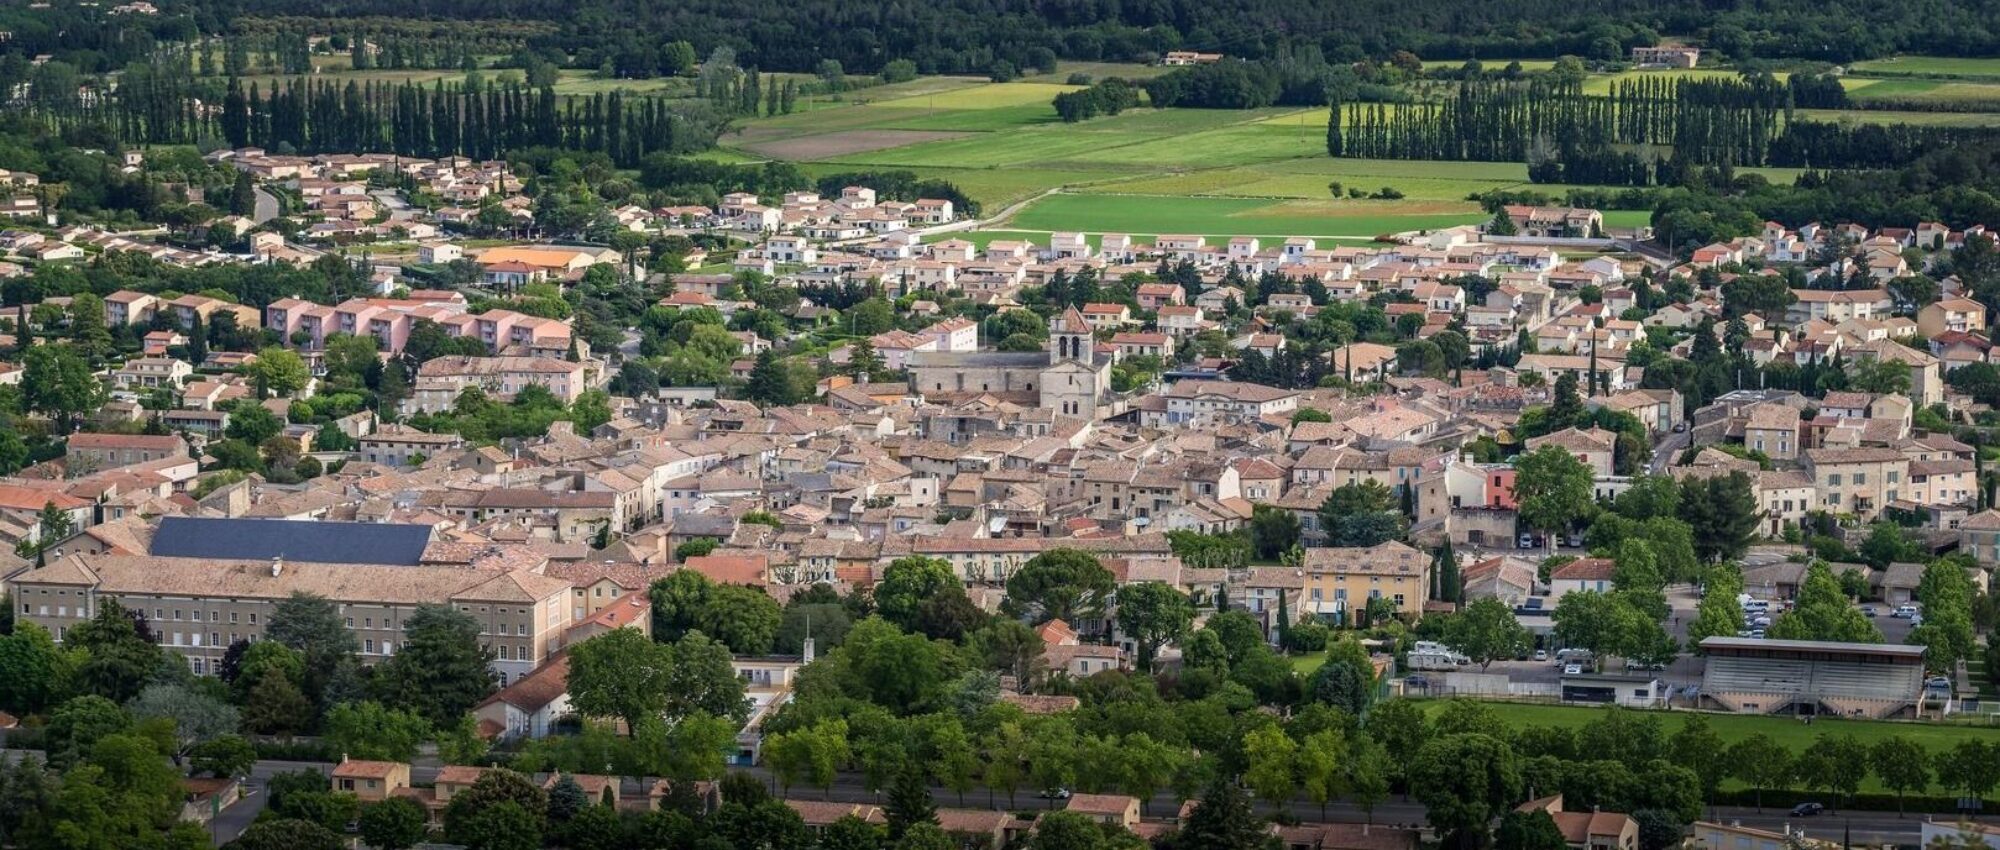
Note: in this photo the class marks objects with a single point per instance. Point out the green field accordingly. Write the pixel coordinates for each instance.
(1942, 66)
(1154, 214)
(1886, 116)
(1257, 172)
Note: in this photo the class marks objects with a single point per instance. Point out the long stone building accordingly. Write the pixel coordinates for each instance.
(199, 606)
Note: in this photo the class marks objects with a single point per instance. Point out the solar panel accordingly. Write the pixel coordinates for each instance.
(297, 540)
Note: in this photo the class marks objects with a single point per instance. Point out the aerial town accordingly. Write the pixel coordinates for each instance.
(504, 433)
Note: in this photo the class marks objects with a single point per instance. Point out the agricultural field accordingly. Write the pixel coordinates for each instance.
(1156, 214)
(1938, 66)
(1213, 172)
(1888, 116)
(1309, 177)
(1941, 94)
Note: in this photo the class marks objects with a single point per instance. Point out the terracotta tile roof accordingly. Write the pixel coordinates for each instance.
(357, 769)
(730, 569)
(1584, 569)
(459, 774)
(538, 688)
(1101, 804)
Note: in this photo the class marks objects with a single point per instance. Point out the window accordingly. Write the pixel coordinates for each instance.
(349, 621)
(1860, 478)
(1895, 476)
(253, 619)
(368, 646)
(1833, 480)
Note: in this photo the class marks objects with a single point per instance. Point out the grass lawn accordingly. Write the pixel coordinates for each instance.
(1950, 66)
(1306, 665)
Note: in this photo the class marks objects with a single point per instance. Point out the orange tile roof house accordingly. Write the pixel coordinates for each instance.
(370, 781)
(1106, 808)
(1581, 574)
(1593, 830)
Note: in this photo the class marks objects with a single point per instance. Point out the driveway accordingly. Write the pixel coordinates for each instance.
(266, 207)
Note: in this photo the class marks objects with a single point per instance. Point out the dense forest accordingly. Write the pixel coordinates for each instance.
(971, 35)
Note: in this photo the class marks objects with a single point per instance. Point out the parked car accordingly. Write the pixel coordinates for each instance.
(1573, 541)
(1680, 427)
(1806, 810)
(1756, 634)
(1938, 683)
(1758, 622)
(1541, 655)
(1869, 611)
(1056, 794)
(1572, 669)
(1416, 682)
(1527, 541)
(1906, 612)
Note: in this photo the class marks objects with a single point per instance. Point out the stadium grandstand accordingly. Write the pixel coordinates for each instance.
(1805, 677)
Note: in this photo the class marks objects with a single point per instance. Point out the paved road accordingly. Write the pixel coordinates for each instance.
(267, 206)
(1868, 827)
(1668, 450)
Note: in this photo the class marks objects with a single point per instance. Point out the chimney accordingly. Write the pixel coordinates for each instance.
(277, 566)
(806, 653)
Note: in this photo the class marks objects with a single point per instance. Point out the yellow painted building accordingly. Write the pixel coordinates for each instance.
(1342, 580)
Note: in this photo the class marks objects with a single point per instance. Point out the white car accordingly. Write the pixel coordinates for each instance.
(1905, 612)
(1541, 655)
(1572, 669)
